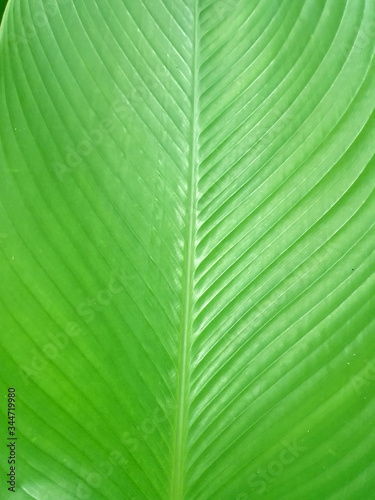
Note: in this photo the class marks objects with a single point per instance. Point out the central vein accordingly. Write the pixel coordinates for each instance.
(188, 289)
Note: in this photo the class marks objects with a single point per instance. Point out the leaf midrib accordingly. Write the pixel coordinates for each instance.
(178, 458)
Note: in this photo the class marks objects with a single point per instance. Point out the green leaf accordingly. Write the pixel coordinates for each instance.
(187, 249)
(3, 4)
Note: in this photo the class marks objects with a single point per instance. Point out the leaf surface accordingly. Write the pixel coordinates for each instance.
(187, 248)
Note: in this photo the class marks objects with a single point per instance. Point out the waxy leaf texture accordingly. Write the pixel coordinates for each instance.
(187, 239)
